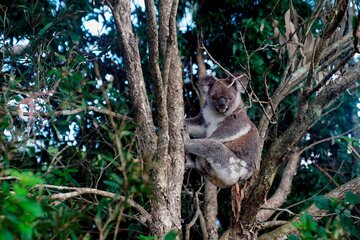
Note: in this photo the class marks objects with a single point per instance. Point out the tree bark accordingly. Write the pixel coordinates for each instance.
(169, 159)
(284, 231)
(211, 209)
(210, 191)
(283, 189)
(140, 103)
(165, 148)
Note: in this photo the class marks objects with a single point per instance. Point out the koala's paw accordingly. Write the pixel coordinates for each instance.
(185, 135)
(189, 161)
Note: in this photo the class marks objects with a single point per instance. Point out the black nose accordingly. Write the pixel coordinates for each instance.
(221, 102)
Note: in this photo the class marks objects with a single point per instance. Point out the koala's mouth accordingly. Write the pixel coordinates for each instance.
(221, 105)
(222, 109)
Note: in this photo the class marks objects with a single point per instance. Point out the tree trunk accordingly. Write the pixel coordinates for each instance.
(165, 149)
(211, 209)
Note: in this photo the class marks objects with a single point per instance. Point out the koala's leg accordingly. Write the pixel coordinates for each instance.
(224, 164)
(190, 160)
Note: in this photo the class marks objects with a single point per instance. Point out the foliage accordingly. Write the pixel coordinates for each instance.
(61, 87)
(339, 222)
(20, 212)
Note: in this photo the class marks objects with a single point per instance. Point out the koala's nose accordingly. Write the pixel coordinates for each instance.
(221, 102)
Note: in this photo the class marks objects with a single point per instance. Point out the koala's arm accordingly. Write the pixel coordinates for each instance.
(195, 126)
(225, 167)
(233, 127)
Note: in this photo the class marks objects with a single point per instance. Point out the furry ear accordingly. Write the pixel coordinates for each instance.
(241, 81)
(206, 83)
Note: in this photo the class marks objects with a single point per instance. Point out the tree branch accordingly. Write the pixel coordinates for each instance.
(74, 111)
(289, 83)
(328, 139)
(282, 192)
(201, 68)
(272, 224)
(284, 231)
(140, 103)
(211, 209)
(284, 143)
(198, 215)
(335, 19)
(75, 191)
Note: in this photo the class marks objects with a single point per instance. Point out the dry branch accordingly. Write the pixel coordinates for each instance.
(67, 112)
(272, 224)
(198, 215)
(285, 142)
(335, 19)
(75, 191)
(284, 231)
(283, 189)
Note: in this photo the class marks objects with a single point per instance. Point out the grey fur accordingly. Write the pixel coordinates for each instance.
(224, 140)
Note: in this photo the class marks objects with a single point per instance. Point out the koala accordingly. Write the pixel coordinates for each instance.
(222, 140)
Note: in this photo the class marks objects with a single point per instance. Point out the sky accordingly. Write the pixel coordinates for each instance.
(96, 27)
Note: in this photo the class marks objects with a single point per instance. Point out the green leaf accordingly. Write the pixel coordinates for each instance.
(142, 237)
(293, 237)
(352, 198)
(171, 235)
(322, 202)
(308, 222)
(33, 208)
(25, 230)
(44, 29)
(61, 57)
(112, 184)
(6, 235)
(25, 178)
(53, 150)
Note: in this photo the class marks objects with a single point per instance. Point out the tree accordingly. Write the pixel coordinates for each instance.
(106, 124)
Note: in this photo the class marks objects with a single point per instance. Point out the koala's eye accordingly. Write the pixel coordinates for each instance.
(213, 97)
(230, 98)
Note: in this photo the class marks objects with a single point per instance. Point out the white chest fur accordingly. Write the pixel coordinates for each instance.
(212, 120)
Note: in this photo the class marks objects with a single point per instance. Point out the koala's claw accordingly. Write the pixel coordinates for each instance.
(185, 135)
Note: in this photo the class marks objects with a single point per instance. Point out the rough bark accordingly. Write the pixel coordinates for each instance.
(284, 231)
(201, 68)
(162, 219)
(283, 190)
(210, 191)
(211, 209)
(169, 158)
(166, 148)
(175, 107)
(139, 99)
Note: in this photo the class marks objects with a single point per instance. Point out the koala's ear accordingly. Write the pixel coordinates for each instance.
(241, 81)
(206, 83)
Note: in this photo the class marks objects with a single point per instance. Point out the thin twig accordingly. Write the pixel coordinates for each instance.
(326, 174)
(327, 139)
(76, 191)
(255, 98)
(75, 111)
(198, 214)
(272, 224)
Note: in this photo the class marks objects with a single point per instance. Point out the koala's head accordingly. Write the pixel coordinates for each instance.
(224, 95)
